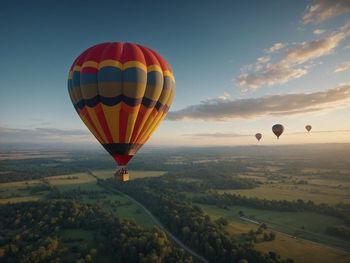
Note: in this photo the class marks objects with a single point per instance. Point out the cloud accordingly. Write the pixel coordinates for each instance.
(343, 67)
(269, 75)
(218, 135)
(42, 135)
(293, 63)
(277, 105)
(318, 32)
(329, 131)
(321, 10)
(275, 47)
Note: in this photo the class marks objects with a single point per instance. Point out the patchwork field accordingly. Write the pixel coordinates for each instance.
(119, 205)
(296, 243)
(283, 191)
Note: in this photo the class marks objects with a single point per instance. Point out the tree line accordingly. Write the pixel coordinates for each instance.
(341, 211)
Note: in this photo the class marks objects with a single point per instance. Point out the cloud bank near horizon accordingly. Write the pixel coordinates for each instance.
(221, 109)
(43, 135)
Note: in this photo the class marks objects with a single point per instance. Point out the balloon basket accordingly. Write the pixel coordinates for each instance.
(121, 175)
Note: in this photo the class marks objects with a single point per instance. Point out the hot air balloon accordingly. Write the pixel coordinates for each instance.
(258, 136)
(278, 129)
(122, 92)
(308, 128)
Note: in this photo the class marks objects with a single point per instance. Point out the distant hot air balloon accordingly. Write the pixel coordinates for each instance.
(278, 129)
(308, 128)
(122, 92)
(258, 136)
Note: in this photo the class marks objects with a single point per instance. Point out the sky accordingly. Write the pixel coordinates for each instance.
(240, 67)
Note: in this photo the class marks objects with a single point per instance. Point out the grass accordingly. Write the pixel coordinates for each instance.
(19, 184)
(20, 199)
(281, 191)
(72, 179)
(73, 236)
(304, 225)
(303, 251)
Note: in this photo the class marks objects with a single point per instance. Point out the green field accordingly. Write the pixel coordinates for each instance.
(119, 205)
(303, 251)
(283, 191)
(290, 223)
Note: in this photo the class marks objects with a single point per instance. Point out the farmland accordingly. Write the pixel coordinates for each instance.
(301, 235)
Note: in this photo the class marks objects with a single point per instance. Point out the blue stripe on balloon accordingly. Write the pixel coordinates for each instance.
(88, 78)
(154, 78)
(76, 79)
(115, 100)
(134, 75)
(110, 74)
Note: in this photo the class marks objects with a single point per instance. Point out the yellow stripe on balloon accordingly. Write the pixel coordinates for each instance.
(110, 63)
(154, 68)
(126, 65)
(90, 127)
(112, 119)
(135, 64)
(151, 124)
(131, 123)
(143, 121)
(93, 116)
(151, 128)
(154, 128)
(147, 125)
(90, 64)
(167, 73)
(76, 68)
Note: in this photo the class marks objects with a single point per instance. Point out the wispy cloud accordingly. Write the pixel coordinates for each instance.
(329, 131)
(318, 31)
(292, 64)
(288, 104)
(218, 135)
(321, 10)
(275, 47)
(42, 135)
(343, 67)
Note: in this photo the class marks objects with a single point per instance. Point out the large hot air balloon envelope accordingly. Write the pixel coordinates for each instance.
(258, 136)
(278, 129)
(308, 128)
(122, 92)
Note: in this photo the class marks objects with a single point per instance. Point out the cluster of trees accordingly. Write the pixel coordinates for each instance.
(223, 200)
(31, 232)
(260, 235)
(188, 222)
(178, 183)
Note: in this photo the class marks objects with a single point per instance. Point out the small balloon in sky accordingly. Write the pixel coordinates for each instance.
(258, 136)
(308, 128)
(278, 129)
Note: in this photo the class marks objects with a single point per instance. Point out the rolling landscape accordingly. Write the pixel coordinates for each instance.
(277, 201)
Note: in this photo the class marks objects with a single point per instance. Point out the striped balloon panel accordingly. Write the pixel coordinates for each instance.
(122, 92)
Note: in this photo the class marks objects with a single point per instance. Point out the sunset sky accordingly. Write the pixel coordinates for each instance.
(240, 67)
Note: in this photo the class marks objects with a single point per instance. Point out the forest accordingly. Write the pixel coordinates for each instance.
(32, 232)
